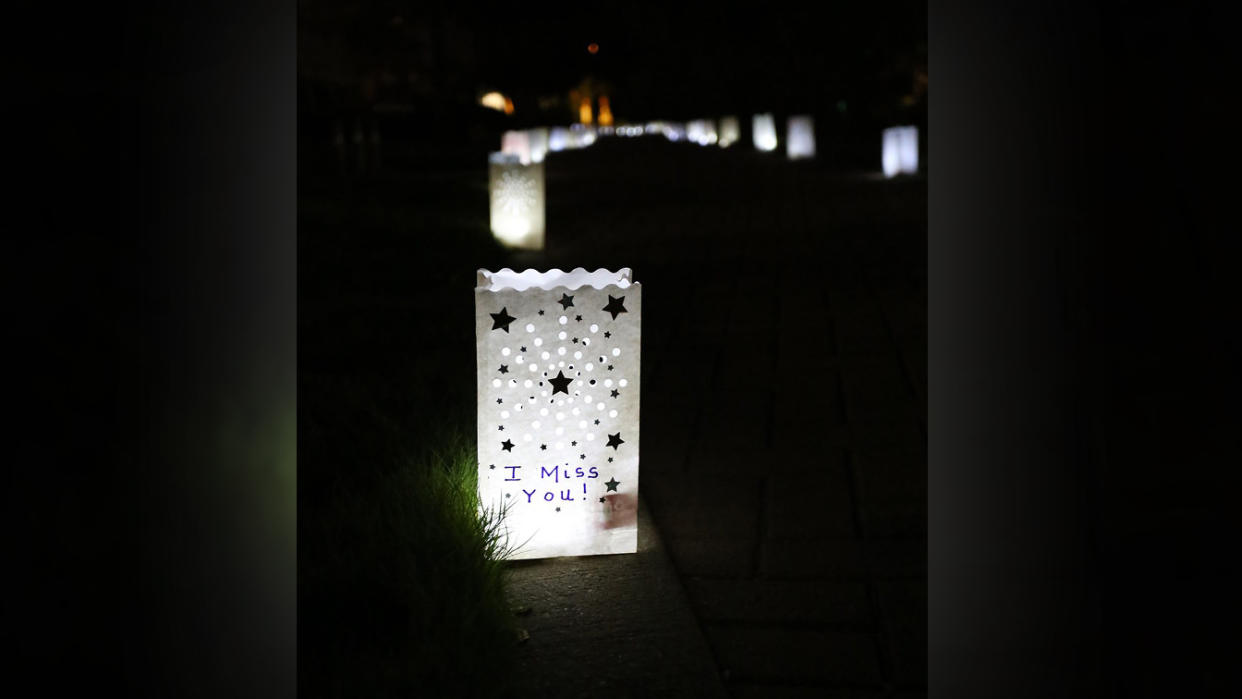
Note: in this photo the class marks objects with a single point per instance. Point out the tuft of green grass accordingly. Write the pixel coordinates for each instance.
(404, 581)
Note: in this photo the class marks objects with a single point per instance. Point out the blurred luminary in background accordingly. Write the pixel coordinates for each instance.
(558, 401)
(580, 136)
(701, 131)
(763, 132)
(558, 139)
(516, 143)
(584, 110)
(674, 131)
(900, 151)
(730, 131)
(605, 112)
(517, 201)
(800, 137)
(538, 143)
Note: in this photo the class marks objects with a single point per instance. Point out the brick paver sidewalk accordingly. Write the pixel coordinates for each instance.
(784, 406)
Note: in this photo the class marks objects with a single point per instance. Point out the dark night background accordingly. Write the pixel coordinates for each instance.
(1082, 413)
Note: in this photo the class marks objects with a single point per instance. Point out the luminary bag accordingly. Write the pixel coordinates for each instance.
(558, 388)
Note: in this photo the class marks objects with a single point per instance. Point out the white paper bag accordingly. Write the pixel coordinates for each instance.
(558, 391)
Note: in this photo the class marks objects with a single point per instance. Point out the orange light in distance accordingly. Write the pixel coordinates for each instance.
(584, 110)
(605, 113)
(593, 48)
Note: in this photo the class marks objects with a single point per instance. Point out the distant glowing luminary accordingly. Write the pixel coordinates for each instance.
(516, 143)
(900, 152)
(763, 132)
(558, 408)
(800, 137)
(517, 201)
(605, 112)
(558, 139)
(494, 100)
(584, 111)
(538, 137)
(730, 131)
(701, 131)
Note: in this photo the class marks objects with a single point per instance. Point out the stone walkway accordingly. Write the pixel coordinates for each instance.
(784, 401)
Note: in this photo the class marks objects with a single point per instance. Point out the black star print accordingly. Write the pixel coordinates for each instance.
(575, 340)
(612, 484)
(499, 401)
(582, 456)
(561, 383)
(521, 349)
(543, 447)
(492, 466)
(578, 318)
(502, 428)
(506, 494)
(504, 368)
(540, 312)
(610, 459)
(614, 440)
(601, 499)
(573, 444)
(607, 334)
(506, 445)
(615, 393)
(558, 509)
(614, 306)
(609, 367)
(597, 421)
(501, 320)
(566, 301)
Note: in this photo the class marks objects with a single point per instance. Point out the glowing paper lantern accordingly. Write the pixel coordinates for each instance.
(800, 137)
(763, 132)
(516, 143)
(538, 144)
(517, 201)
(730, 131)
(701, 131)
(900, 151)
(558, 392)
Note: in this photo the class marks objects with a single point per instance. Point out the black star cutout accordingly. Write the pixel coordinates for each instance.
(597, 421)
(521, 349)
(615, 393)
(561, 383)
(499, 401)
(502, 428)
(575, 340)
(614, 307)
(601, 499)
(543, 447)
(573, 444)
(500, 321)
(566, 301)
(504, 368)
(506, 445)
(614, 440)
(540, 312)
(607, 334)
(506, 494)
(582, 456)
(558, 509)
(610, 459)
(492, 466)
(612, 484)
(609, 367)
(578, 318)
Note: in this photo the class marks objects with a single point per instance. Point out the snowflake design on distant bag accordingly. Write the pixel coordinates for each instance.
(515, 194)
